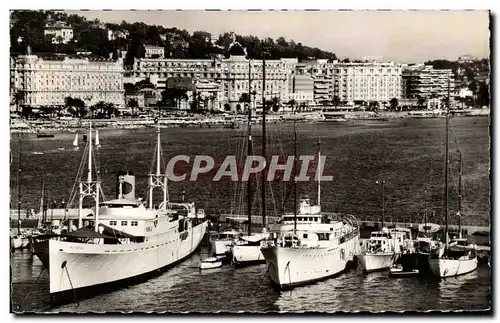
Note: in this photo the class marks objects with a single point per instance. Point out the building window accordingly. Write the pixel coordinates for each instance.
(124, 223)
(133, 223)
(112, 222)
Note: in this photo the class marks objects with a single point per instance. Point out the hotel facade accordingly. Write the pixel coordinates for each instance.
(425, 81)
(47, 82)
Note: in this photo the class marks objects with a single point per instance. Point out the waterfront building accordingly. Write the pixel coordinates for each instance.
(466, 59)
(230, 76)
(353, 82)
(48, 81)
(425, 81)
(117, 34)
(58, 33)
(154, 51)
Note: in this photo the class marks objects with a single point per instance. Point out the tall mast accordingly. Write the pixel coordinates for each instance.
(263, 184)
(158, 179)
(19, 190)
(294, 175)
(425, 213)
(446, 161)
(158, 152)
(249, 152)
(319, 177)
(460, 196)
(89, 174)
(89, 187)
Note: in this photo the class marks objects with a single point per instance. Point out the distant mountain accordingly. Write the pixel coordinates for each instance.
(27, 27)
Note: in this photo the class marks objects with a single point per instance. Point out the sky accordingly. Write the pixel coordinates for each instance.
(402, 36)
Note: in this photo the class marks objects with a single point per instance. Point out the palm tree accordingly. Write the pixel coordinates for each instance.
(110, 109)
(420, 101)
(394, 103)
(373, 106)
(132, 104)
(292, 103)
(274, 103)
(18, 99)
(336, 101)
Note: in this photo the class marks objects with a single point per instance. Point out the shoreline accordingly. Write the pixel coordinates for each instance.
(228, 122)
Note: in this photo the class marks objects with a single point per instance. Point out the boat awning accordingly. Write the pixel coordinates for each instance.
(254, 238)
(115, 233)
(86, 233)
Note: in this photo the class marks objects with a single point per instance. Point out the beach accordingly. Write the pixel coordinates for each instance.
(225, 121)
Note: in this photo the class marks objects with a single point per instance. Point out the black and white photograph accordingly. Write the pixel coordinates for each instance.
(250, 161)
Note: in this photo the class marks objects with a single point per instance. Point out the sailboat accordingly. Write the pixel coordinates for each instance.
(310, 247)
(18, 239)
(125, 241)
(75, 143)
(247, 249)
(458, 257)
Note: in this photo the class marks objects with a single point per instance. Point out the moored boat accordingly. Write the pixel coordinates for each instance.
(311, 248)
(456, 257)
(211, 263)
(379, 252)
(123, 242)
(220, 243)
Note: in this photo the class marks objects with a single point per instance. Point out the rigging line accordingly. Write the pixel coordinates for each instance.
(77, 178)
(29, 293)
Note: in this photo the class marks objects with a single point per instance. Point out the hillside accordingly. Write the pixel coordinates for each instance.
(27, 28)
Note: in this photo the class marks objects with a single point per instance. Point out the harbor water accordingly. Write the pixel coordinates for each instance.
(407, 153)
(185, 288)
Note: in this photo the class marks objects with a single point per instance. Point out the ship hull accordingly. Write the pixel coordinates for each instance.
(374, 262)
(291, 267)
(19, 243)
(247, 255)
(220, 247)
(417, 260)
(82, 268)
(452, 267)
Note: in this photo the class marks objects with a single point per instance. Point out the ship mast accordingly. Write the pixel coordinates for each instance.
(319, 177)
(19, 191)
(158, 179)
(446, 161)
(294, 174)
(460, 196)
(263, 184)
(249, 184)
(89, 187)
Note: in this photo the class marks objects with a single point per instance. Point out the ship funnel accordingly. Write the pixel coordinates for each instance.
(125, 185)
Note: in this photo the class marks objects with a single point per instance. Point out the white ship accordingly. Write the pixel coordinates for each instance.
(310, 248)
(124, 241)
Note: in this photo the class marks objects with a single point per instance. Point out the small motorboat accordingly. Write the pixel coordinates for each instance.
(210, 263)
(37, 153)
(44, 135)
(397, 271)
